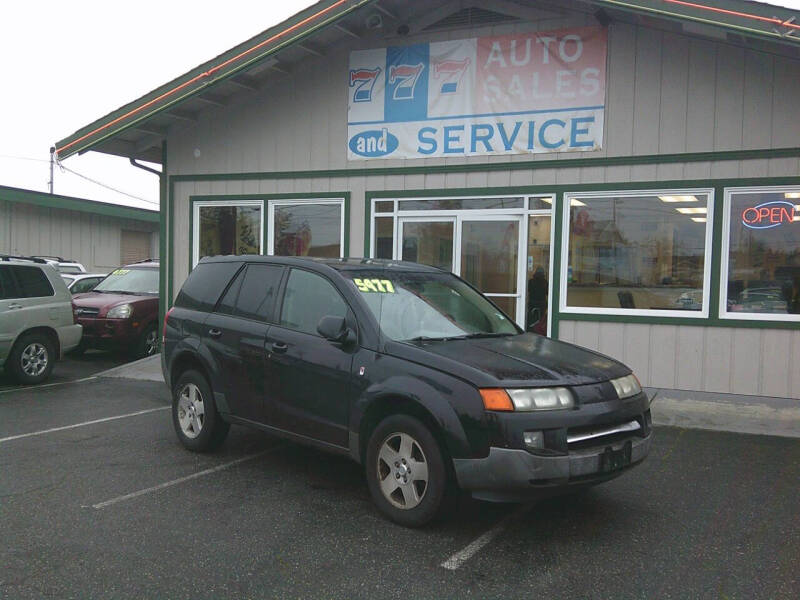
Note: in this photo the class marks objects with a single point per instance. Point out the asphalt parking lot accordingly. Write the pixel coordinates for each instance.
(72, 367)
(98, 500)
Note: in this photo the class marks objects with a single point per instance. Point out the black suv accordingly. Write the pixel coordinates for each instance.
(405, 368)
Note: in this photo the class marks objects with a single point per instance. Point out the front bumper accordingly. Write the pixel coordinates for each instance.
(107, 334)
(509, 474)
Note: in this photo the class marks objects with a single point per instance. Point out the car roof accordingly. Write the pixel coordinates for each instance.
(146, 264)
(338, 264)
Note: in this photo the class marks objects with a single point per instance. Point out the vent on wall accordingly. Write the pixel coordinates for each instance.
(471, 17)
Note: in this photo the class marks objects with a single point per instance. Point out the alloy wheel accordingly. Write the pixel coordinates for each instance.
(151, 343)
(191, 410)
(34, 359)
(402, 471)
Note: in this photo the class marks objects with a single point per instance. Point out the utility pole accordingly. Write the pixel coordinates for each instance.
(52, 160)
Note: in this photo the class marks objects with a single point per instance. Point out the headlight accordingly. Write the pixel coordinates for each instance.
(527, 399)
(626, 386)
(123, 311)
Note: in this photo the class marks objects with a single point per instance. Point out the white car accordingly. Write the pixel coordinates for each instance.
(82, 282)
(37, 323)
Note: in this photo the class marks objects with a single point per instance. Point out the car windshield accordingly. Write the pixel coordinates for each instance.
(429, 306)
(130, 281)
(67, 279)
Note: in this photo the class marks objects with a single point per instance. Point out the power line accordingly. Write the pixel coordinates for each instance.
(104, 185)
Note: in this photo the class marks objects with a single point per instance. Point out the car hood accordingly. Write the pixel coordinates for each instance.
(523, 360)
(105, 301)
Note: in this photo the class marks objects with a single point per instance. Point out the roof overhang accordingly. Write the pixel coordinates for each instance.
(32, 197)
(137, 129)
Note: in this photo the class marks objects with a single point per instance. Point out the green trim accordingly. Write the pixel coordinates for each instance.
(162, 237)
(202, 85)
(22, 196)
(681, 13)
(529, 165)
(265, 198)
(171, 239)
(709, 322)
(555, 256)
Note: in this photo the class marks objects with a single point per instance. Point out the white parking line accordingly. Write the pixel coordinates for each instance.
(471, 549)
(167, 484)
(85, 423)
(45, 385)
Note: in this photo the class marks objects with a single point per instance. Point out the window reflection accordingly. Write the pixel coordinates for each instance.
(308, 230)
(229, 230)
(764, 253)
(637, 252)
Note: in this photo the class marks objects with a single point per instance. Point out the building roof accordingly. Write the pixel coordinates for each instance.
(12, 194)
(137, 129)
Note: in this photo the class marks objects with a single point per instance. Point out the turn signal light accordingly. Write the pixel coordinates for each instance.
(496, 399)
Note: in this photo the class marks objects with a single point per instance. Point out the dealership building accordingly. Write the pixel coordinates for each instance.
(624, 175)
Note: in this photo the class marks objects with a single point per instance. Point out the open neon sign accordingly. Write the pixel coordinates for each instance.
(768, 215)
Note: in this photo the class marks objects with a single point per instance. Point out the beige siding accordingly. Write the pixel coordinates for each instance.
(711, 359)
(92, 240)
(666, 93)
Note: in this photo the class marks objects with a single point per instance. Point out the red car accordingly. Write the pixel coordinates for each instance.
(121, 313)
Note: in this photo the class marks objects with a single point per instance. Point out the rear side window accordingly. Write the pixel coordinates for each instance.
(252, 295)
(307, 299)
(7, 287)
(32, 282)
(205, 284)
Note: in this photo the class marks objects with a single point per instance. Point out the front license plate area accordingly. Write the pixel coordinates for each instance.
(613, 460)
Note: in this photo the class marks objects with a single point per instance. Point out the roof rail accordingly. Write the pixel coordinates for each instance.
(46, 257)
(143, 261)
(36, 259)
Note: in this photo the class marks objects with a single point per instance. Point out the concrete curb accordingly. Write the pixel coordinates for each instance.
(144, 369)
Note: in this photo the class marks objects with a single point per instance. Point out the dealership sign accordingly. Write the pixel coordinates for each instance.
(768, 215)
(528, 93)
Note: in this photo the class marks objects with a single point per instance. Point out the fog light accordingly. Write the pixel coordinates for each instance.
(534, 439)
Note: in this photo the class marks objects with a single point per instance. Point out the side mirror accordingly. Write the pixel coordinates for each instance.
(334, 329)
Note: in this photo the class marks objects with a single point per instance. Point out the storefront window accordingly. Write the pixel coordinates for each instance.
(308, 229)
(762, 275)
(638, 252)
(384, 237)
(229, 229)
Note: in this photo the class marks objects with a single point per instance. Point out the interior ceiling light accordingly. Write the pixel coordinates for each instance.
(792, 195)
(575, 202)
(692, 210)
(677, 198)
(699, 219)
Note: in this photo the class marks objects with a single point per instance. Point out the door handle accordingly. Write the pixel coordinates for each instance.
(280, 347)
(14, 306)
(214, 332)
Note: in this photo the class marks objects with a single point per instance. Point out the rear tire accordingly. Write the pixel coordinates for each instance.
(32, 358)
(194, 414)
(406, 471)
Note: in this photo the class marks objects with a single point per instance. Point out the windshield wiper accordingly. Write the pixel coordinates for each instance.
(116, 292)
(425, 338)
(485, 334)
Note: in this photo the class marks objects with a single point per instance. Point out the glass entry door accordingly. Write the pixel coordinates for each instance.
(485, 250)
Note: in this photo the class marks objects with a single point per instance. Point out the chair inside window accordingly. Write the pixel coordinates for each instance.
(626, 299)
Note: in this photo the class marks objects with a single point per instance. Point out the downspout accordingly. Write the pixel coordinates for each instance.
(163, 277)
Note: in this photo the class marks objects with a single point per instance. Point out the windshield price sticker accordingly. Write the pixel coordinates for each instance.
(121, 272)
(381, 286)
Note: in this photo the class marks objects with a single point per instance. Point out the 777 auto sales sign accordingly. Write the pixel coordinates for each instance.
(529, 93)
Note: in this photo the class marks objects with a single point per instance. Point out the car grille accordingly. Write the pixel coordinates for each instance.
(608, 433)
(87, 312)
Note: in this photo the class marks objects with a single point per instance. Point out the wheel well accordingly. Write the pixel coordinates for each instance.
(381, 408)
(184, 363)
(50, 333)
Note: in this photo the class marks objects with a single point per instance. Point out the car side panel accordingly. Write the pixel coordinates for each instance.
(454, 404)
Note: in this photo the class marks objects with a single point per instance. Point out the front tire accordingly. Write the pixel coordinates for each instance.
(194, 415)
(148, 343)
(31, 359)
(406, 473)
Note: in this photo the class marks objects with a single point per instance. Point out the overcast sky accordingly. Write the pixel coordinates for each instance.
(65, 64)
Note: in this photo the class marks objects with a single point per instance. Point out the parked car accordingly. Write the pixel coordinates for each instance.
(406, 369)
(121, 312)
(37, 324)
(63, 265)
(83, 282)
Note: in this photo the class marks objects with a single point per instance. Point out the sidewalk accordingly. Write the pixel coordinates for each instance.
(726, 412)
(692, 410)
